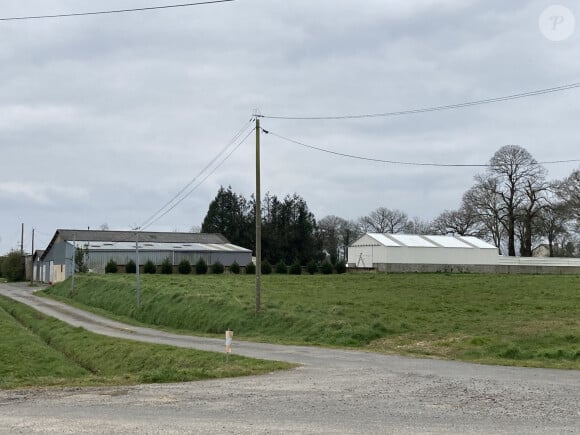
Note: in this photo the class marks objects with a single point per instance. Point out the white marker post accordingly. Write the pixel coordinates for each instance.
(229, 338)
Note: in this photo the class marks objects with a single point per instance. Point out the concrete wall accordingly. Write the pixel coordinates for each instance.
(476, 268)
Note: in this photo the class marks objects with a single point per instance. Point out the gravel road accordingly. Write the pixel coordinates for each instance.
(334, 391)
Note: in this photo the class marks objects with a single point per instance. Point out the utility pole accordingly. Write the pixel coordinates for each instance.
(32, 262)
(258, 219)
(137, 278)
(74, 265)
(22, 241)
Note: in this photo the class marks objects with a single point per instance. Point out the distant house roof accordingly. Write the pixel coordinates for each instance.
(62, 235)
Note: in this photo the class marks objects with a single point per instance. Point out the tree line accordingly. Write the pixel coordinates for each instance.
(512, 204)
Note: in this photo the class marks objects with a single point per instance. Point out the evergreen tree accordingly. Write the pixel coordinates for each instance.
(250, 268)
(80, 263)
(184, 267)
(149, 267)
(166, 267)
(289, 229)
(235, 268)
(231, 215)
(130, 267)
(13, 267)
(111, 267)
(201, 267)
(217, 268)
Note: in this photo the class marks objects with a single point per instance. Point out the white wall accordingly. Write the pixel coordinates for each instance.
(396, 255)
(369, 251)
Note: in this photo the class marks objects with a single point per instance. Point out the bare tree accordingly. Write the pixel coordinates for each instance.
(384, 220)
(485, 202)
(329, 228)
(515, 171)
(553, 225)
(418, 225)
(463, 222)
(568, 190)
(337, 234)
(349, 232)
(535, 200)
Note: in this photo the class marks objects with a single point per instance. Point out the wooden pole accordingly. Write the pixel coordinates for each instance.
(32, 262)
(258, 220)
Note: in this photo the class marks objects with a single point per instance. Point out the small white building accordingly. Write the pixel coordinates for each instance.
(374, 250)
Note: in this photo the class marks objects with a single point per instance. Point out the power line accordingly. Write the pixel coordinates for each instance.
(154, 216)
(395, 162)
(117, 11)
(212, 161)
(150, 221)
(430, 109)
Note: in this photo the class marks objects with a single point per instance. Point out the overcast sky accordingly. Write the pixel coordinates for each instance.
(104, 118)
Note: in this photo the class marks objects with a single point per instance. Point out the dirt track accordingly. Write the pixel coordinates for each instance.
(333, 392)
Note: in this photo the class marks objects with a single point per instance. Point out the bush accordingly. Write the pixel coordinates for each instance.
(80, 264)
(296, 268)
(130, 267)
(150, 267)
(311, 267)
(184, 267)
(167, 267)
(111, 267)
(217, 268)
(281, 268)
(340, 267)
(266, 268)
(201, 267)
(326, 267)
(13, 267)
(235, 268)
(250, 268)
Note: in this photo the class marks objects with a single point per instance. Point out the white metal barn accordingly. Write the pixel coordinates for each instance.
(374, 249)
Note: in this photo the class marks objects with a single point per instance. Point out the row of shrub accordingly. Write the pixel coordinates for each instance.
(201, 268)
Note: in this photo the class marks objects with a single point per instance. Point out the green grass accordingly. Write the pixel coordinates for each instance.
(530, 320)
(37, 350)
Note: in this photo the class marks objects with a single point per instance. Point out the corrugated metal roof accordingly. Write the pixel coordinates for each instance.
(145, 237)
(159, 246)
(427, 241)
(448, 242)
(413, 241)
(383, 239)
(478, 243)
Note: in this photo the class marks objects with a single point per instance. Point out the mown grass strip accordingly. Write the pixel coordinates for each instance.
(37, 350)
(26, 360)
(530, 320)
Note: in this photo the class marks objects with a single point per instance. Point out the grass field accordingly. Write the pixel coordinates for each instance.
(529, 320)
(37, 350)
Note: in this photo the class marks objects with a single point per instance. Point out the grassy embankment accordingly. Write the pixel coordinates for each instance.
(528, 320)
(37, 350)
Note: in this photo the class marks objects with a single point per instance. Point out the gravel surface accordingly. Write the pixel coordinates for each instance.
(333, 391)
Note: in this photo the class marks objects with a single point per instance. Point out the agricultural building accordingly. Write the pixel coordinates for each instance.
(99, 247)
(405, 252)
